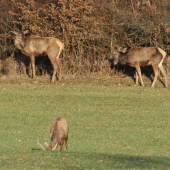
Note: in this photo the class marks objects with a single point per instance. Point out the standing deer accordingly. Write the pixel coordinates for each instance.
(58, 134)
(143, 56)
(32, 46)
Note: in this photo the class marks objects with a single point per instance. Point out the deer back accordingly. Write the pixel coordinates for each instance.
(42, 45)
(142, 55)
(35, 45)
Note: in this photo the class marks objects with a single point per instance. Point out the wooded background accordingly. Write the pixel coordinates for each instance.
(90, 30)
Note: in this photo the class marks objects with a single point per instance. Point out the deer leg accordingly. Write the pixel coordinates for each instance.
(54, 73)
(137, 77)
(139, 74)
(62, 145)
(59, 66)
(164, 74)
(33, 66)
(66, 143)
(59, 63)
(155, 69)
(54, 63)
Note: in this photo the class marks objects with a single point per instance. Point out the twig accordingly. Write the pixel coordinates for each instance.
(5, 36)
(133, 9)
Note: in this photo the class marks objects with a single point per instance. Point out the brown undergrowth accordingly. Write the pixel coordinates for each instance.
(90, 30)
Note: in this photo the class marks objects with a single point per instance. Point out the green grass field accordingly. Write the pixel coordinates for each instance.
(111, 127)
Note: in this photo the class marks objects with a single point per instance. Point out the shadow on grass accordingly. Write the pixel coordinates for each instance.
(39, 159)
(104, 161)
(36, 149)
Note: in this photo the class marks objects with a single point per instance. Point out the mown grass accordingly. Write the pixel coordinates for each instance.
(111, 127)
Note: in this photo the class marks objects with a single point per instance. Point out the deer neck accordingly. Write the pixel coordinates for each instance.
(123, 58)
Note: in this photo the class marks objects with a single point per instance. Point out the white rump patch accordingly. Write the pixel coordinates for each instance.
(163, 53)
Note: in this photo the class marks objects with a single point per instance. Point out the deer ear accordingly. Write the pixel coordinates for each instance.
(124, 50)
(25, 32)
(14, 32)
(115, 52)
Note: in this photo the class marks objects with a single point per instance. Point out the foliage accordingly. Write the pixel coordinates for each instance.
(90, 29)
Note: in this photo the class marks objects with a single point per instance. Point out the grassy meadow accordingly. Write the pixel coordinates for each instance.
(111, 127)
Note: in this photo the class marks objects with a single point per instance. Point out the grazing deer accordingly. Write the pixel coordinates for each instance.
(34, 46)
(143, 56)
(58, 134)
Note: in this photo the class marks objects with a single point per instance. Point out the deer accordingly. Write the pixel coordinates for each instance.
(58, 135)
(33, 46)
(142, 56)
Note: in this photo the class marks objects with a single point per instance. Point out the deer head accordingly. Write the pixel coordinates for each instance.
(51, 147)
(20, 39)
(117, 54)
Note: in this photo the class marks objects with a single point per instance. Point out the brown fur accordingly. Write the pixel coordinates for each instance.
(138, 56)
(58, 134)
(34, 46)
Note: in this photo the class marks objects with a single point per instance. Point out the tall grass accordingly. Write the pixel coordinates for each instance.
(110, 127)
